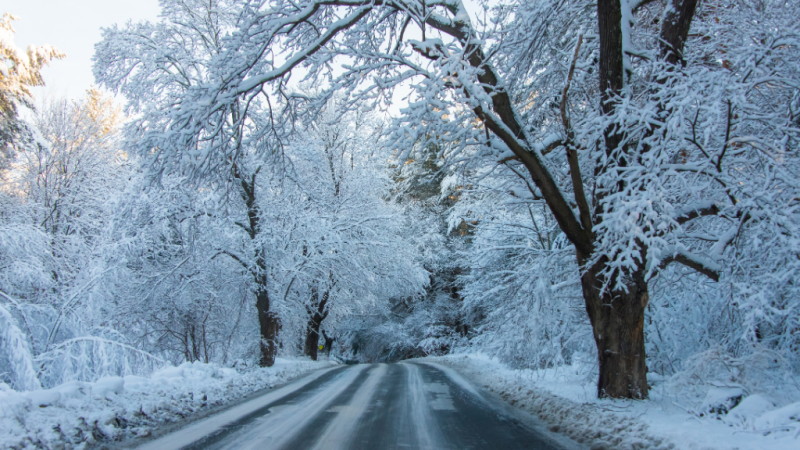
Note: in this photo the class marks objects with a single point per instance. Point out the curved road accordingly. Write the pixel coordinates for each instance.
(379, 406)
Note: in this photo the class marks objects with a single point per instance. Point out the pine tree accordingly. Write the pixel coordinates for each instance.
(19, 72)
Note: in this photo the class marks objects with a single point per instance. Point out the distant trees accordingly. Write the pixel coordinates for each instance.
(76, 159)
(354, 254)
(176, 296)
(304, 213)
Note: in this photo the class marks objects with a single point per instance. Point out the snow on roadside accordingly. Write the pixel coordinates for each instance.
(77, 414)
(565, 400)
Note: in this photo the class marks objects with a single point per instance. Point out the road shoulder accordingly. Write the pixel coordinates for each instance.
(585, 424)
(490, 400)
(281, 380)
(564, 399)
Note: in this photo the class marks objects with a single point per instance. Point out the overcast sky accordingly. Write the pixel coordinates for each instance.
(72, 26)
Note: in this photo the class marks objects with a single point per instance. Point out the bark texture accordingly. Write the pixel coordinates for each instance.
(675, 30)
(270, 326)
(617, 319)
(612, 73)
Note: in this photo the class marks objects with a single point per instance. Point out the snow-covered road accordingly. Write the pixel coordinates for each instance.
(379, 406)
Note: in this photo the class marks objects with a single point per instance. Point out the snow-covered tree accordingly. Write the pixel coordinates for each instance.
(354, 255)
(19, 72)
(178, 295)
(59, 203)
(661, 195)
(649, 145)
(289, 179)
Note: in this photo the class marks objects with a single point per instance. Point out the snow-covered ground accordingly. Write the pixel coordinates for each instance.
(76, 414)
(565, 399)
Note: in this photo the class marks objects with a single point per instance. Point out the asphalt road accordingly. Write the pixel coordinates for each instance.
(379, 406)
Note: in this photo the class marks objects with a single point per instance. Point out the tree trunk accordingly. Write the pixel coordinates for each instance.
(270, 326)
(617, 315)
(317, 314)
(612, 73)
(312, 338)
(328, 343)
(268, 321)
(675, 29)
(617, 318)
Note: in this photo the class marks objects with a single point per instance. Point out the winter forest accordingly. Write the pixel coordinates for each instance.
(610, 184)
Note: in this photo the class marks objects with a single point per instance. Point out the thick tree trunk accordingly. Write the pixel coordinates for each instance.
(270, 326)
(675, 30)
(617, 318)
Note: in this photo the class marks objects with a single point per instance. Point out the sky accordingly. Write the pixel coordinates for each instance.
(72, 26)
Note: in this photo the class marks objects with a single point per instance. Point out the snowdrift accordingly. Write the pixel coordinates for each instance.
(77, 414)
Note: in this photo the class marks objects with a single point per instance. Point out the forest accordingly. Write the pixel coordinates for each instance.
(611, 182)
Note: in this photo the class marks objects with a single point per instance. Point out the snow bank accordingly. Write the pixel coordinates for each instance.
(565, 399)
(77, 414)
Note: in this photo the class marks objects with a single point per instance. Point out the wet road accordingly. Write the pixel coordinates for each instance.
(379, 406)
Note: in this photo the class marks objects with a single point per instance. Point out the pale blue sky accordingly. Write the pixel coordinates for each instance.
(73, 26)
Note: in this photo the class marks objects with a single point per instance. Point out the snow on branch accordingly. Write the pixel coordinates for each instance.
(19, 354)
(703, 265)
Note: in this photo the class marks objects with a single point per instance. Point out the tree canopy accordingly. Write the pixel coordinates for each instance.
(549, 181)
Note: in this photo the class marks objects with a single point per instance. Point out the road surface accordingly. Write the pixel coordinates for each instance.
(378, 406)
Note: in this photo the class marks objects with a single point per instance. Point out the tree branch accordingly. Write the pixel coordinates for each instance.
(572, 151)
(549, 148)
(342, 24)
(707, 210)
(707, 268)
(236, 258)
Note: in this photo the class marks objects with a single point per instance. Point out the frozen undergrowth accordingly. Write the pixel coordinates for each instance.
(565, 400)
(77, 414)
